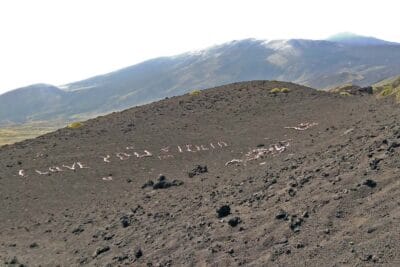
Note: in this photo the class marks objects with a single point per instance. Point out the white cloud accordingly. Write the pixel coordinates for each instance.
(60, 41)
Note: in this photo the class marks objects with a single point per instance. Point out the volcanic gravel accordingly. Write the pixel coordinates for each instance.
(310, 179)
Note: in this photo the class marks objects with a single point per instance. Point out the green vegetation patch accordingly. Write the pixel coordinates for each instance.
(75, 125)
(344, 94)
(195, 93)
(388, 88)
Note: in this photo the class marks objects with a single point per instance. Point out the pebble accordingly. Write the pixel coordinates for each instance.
(223, 211)
(100, 250)
(234, 221)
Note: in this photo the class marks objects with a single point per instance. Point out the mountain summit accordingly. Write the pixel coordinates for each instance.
(355, 39)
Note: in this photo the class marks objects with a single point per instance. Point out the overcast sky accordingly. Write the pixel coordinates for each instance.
(61, 41)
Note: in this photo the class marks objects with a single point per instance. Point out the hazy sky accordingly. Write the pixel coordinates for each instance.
(61, 41)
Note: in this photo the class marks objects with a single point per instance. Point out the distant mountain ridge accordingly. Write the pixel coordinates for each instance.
(354, 39)
(320, 64)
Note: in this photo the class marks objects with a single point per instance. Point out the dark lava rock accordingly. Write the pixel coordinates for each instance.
(374, 164)
(33, 245)
(162, 183)
(291, 192)
(78, 230)
(281, 215)
(366, 257)
(125, 221)
(121, 258)
(367, 90)
(199, 169)
(231, 251)
(12, 260)
(339, 214)
(162, 178)
(392, 145)
(223, 211)
(295, 223)
(167, 184)
(100, 250)
(370, 183)
(234, 221)
(138, 253)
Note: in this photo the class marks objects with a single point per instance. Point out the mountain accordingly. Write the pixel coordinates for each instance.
(246, 174)
(320, 64)
(31, 103)
(358, 40)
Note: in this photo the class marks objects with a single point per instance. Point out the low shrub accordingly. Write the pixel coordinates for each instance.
(195, 93)
(344, 94)
(75, 125)
(386, 91)
(279, 90)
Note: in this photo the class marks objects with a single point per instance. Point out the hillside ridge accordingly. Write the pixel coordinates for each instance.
(255, 173)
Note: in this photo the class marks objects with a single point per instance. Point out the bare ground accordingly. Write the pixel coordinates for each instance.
(323, 194)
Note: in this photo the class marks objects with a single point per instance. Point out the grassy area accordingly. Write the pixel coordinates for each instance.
(16, 133)
(390, 87)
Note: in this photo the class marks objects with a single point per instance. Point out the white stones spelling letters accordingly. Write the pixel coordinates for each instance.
(165, 153)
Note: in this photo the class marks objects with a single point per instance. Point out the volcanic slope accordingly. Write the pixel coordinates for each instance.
(249, 177)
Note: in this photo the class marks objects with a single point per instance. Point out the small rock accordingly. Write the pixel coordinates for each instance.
(291, 191)
(121, 258)
(366, 257)
(125, 221)
(199, 169)
(295, 223)
(33, 245)
(374, 164)
(223, 211)
(138, 253)
(281, 215)
(100, 250)
(370, 183)
(12, 260)
(163, 184)
(78, 230)
(339, 214)
(234, 221)
(392, 145)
